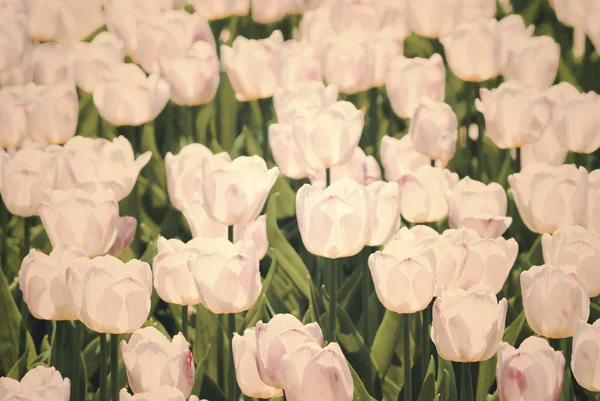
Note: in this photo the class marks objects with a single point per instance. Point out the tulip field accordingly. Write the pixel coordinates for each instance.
(302, 200)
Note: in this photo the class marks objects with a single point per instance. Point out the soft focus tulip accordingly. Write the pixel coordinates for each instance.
(298, 62)
(152, 361)
(533, 62)
(592, 218)
(422, 193)
(201, 224)
(165, 393)
(433, 18)
(586, 348)
(14, 40)
(95, 59)
(301, 99)
(110, 296)
(236, 191)
(577, 123)
(385, 47)
(399, 156)
(42, 280)
(451, 251)
(532, 372)
(125, 96)
(268, 11)
(592, 28)
(411, 79)
(477, 9)
(468, 325)
(395, 21)
(193, 76)
(360, 168)
(363, 15)
(404, 276)
(316, 25)
(97, 165)
(63, 19)
(434, 129)
(472, 49)
(554, 298)
(549, 198)
(52, 113)
(330, 137)
(40, 383)
(348, 63)
(547, 149)
(252, 66)
(303, 6)
(277, 338)
(337, 221)
(575, 245)
(514, 115)
(480, 207)
(314, 373)
(226, 275)
(286, 152)
(52, 64)
(212, 10)
(20, 74)
(510, 33)
(387, 214)
(255, 231)
(126, 227)
(245, 358)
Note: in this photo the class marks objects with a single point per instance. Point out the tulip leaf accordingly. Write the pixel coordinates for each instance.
(122, 373)
(442, 386)
(14, 371)
(91, 356)
(566, 393)
(200, 370)
(443, 367)
(486, 377)
(252, 146)
(428, 389)
(255, 313)
(360, 392)
(512, 332)
(594, 311)
(156, 164)
(286, 203)
(385, 340)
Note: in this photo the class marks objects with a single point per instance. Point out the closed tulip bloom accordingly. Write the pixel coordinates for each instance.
(411, 79)
(363, 15)
(125, 96)
(387, 214)
(52, 64)
(314, 373)
(477, 9)
(575, 245)
(348, 63)
(432, 18)
(52, 113)
(337, 221)
(316, 25)
(422, 193)
(404, 276)
(99, 164)
(286, 152)
(42, 280)
(252, 66)
(385, 47)
(40, 383)
(110, 296)
(152, 361)
(586, 348)
(95, 59)
(245, 358)
(360, 168)
(298, 62)
(577, 123)
(592, 218)
(14, 40)
(510, 32)
(451, 252)
(236, 191)
(212, 10)
(303, 6)
(514, 115)
(592, 29)
(279, 337)
(20, 74)
(201, 223)
(269, 11)
(547, 149)
(534, 62)
(301, 99)
(330, 137)
(468, 325)
(399, 156)
(480, 207)
(226, 275)
(549, 198)
(126, 227)
(532, 372)
(255, 231)
(165, 393)
(434, 130)
(554, 298)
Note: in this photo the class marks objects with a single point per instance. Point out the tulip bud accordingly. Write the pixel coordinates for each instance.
(577, 123)
(95, 59)
(476, 9)
(164, 393)
(277, 338)
(88, 160)
(245, 359)
(554, 298)
(422, 193)
(410, 79)
(348, 63)
(236, 191)
(480, 207)
(399, 156)
(330, 137)
(252, 66)
(316, 25)
(433, 18)
(586, 348)
(298, 63)
(226, 275)
(302, 99)
(387, 214)
(314, 373)
(20, 74)
(268, 11)
(52, 64)
(360, 168)
(337, 221)
(363, 16)
(52, 113)
(152, 361)
(548, 197)
(547, 149)
(434, 129)
(110, 296)
(255, 231)
(286, 153)
(385, 47)
(468, 325)
(40, 383)
(532, 372)
(194, 76)
(592, 218)
(213, 10)
(533, 62)
(200, 222)
(510, 31)
(14, 40)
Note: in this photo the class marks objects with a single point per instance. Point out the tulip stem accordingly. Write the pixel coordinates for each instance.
(426, 314)
(184, 320)
(466, 382)
(327, 177)
(103, 364)
(24, 308)
(76, 351)
(406, 362)
(366, 293)
(114, 366)
(333, 299)
(517, 165)
(231, 380)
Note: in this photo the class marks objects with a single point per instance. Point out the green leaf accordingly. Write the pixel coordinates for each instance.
(360, 392)
(385, 340)
(286, 203)
(255, 313)
(486, 377)
(511, 334)
(252, 146)
(122, 374)
(444, 365)
(156, 163)
(428, 389)
(566, 393)
(200, 370)
(14, 371)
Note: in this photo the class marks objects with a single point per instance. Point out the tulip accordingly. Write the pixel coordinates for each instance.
(52, 64)
(251, 66)
(152, 361)
(212, 10)
(533, 62)
(20, 74)
(95, 59)
(245, 358)
(411, 79)
(14, 40)
(422, 193)
(385, 47)
(577, 123)
(236, 191)
(584, 363)
(477, 9)
(510, 32)
(348, 63)
(547, 149)
(88, 161)
(201, 223)
(399, 156)
(298, 63)
(255, 231)
(592, 29)
(433, 18)
(226, 275)
(468, 325)
(548, 197)
(360, 168)
(52, 113)
(404, 276)
(316, 25)
(330, 137)
(570, 13)
(125, 96)
(363, 16)
(554, 298)
(434, 129)
(314, 373)
(40, 383)
(472, 50)
(451, 252)
(193, 76)
(126, 227)
(337, 221)
(303, 6)
(387, 214)
(110, 296)
(268, 11)
(302, 99)
(277, 338)
(286, 152)
(480, 207)
(165, 393)
(532, 372)
(592, 218)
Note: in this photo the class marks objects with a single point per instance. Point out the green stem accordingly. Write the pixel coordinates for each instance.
(184, 320)
(4, 217)
(432, 163)
(425, 354)
(103, 365)
(195, 137)
(231, 380)
(333, 300)
(466, 382)
(406, 363)
(24, 308)
(265, 109)
(517, 165)
(327, 177)
(366, 293)
(481, 135)
(114, 366)
(75, 363)
(222, 369)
